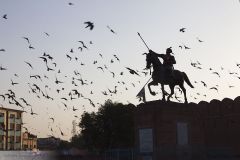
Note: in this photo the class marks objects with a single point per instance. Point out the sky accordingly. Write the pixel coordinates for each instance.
(215, 22)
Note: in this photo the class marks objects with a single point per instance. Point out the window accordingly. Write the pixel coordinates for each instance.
(18, 127)
(18, 115)
(12, 126)
(1, 138)
(12, 115)
(11, 139)
(2, 126)
(18, 139)
(1, 114)
(182, 133)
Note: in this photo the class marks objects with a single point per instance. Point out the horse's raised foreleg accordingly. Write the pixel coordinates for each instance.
(172, 92)
(149, 84)
(184, 92)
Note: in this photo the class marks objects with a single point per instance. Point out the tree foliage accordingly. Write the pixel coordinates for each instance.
(111, 127)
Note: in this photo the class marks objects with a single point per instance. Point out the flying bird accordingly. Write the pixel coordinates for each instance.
(116, 57)
(29, 64)
(89, 24)
(204, 84)
(52, 119)
(2, 50)
(32, 113)
(214, 88)
(5, 16)
(132, 71)
(111, 30)
(182, 30)
(13, 83)
(27, 39)
(216, 73)
(84, 46)
(46, 34)
(199, 40)
(186, 47)
(31, 47)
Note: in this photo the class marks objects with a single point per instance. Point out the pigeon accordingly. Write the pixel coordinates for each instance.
(132, 71)
(182, 30)
(5, 16)
(111, 30)
(89, 24)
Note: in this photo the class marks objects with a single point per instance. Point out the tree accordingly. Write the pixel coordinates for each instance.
(111, 127)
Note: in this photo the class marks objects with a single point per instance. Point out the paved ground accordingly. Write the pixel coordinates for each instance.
(26, 155)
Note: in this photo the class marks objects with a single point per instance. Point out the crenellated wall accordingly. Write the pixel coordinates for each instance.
(189, 131)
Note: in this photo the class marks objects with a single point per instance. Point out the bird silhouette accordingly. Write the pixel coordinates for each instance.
(46, 34)
(31, 47)
(132, 71)
(74, 109)
(100, 68)
(204, 84)
(182, 30)
(216, 73)
(89, 24)
(1, 95)
(29, 64)
(57, 81)
(52, 119)
(70, 58)
(83, 44)
(199, 40)
(116, 57)
(32, 113)
(27, 39)
(13, 83)
(49, 69)
(2, 50)
(24, 101)
(2, 69)
(111, 30)
(214, 88)
(5, 16)
(186, 47)
(44, 59)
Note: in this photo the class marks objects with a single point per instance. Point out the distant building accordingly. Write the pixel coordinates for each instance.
(50, 143)
(169, 130)
(10, 129)
(29, 141)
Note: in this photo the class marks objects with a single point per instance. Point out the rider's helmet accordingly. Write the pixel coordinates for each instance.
(168, 50)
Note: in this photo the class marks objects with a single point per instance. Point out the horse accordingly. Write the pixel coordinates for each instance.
(158, 76)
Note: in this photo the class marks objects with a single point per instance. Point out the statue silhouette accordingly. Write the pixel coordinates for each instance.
(165, 74)
(168, 61)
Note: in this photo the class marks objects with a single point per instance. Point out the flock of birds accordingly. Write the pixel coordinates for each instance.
(39, 88)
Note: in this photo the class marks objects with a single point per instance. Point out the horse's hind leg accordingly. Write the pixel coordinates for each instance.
(184, 92)
(149, 84)
(172, 92)
(163, 92)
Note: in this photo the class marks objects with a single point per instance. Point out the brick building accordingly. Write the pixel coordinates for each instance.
(10, 129)
(29, 141)
(169, 130)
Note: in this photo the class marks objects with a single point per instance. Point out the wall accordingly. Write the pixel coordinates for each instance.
(190, 131)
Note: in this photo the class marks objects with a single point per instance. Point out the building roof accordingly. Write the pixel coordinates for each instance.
(9, 109)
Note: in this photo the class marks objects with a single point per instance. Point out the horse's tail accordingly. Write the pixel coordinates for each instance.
(185, 77)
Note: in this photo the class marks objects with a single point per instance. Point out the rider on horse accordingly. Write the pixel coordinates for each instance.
(168, 61)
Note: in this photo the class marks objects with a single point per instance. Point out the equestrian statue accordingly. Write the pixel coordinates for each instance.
(164, 73)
